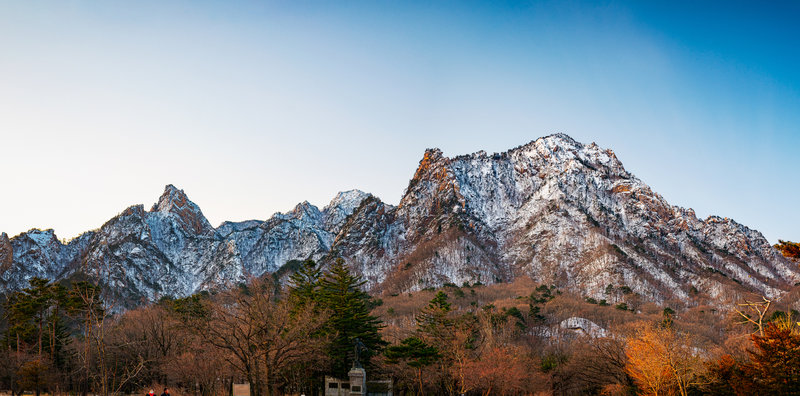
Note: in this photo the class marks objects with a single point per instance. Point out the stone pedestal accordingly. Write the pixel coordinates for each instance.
(358, 381)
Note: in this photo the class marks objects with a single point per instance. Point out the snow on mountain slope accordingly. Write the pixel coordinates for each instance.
(172, 250)
(38, 253)
(562, 213)
(554, 210)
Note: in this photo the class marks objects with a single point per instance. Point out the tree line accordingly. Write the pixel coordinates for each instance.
(66, 338)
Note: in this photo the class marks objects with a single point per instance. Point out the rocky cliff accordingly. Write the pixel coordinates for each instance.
(555, 210)
(562, 213)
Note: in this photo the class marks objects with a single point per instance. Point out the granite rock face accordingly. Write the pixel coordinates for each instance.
(172, 250)
(562, 213)
(555, 210)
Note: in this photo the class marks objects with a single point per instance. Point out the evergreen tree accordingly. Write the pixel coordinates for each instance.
(350, 319)
(434, 321)
(36, 319)
(304, 285)
(188, 308)
(304, 290)
(413, 350)
(36, 324)
(775, 362)
(56, 325)
(416, 354)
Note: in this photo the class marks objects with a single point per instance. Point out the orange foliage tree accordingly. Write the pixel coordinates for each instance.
(725, 376)
(661, 360)
(789, 249)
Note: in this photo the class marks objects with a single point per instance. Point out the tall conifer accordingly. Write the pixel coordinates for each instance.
(304, 284)
(341, 293)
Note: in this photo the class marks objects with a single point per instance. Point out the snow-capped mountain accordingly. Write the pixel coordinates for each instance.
(562, 213)
(172, 250)
(555, 210)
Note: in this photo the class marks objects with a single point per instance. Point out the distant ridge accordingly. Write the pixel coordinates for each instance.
(555, 210)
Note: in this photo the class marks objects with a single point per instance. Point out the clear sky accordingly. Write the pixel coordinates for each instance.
(252, 107)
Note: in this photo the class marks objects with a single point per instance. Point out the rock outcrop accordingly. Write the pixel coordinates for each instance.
(555, 210)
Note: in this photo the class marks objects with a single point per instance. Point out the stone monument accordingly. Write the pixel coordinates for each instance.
(358, 381)
(357, 374)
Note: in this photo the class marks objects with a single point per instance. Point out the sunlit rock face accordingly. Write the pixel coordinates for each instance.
(555, 210)
(562, 213)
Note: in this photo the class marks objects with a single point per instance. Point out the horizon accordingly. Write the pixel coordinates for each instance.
(252, 108)
(321, 205)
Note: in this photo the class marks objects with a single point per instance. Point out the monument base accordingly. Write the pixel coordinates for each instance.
(358, 381)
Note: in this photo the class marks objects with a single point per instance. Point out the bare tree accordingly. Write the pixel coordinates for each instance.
(110, 373)
(758, 308)
(230, 326)
(201, 365)
(288, 338)
(594, 364)
(262, 334)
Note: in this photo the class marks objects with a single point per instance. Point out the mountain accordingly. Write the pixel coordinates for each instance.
(555, 210)
(172, 249)
(561, 213)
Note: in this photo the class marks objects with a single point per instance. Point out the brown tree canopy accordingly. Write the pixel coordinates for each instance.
(775, 365)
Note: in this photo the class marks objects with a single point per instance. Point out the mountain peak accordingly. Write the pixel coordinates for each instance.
(556, 142)
(341, 206)
(305, 210)
(434, 184)
(349, 198)
(42, 237)
(560, 137)
(172, 197)
(430, 159)
(174, 201)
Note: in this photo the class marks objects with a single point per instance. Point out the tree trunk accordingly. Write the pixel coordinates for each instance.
(88, 340)
(253, 385)
(53, 338)
(40, 343)
(419, 377)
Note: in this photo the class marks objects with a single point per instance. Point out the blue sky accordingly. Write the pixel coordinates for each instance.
(251, 107)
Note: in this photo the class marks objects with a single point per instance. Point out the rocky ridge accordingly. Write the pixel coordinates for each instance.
(172, 250)
(555, 210)
(562, 213)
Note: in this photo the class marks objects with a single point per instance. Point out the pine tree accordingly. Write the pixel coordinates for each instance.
(36, 317)
(775, 362)
(350, 319)
(304, 285)
(434, 320)
(412, 349)
(416, 354)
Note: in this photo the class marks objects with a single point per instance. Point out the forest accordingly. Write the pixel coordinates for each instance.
(284, 337)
